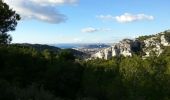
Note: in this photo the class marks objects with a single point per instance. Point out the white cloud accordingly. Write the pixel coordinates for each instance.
(126, 17)
(54, 2)
(89, 30)
(92, 30)
(44, 10)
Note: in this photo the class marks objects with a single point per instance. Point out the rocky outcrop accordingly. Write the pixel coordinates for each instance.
(153, 44)
(121, 48)
(164, 42)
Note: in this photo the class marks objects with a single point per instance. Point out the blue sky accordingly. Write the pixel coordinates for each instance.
(88, 21)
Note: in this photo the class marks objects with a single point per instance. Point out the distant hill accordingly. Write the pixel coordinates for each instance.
(79, 54)
(41, 47)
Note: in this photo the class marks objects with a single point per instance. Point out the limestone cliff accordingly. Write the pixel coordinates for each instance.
(124, 48)
(145, 44)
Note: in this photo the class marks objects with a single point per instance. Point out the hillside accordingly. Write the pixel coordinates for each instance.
(52, 49)
(30, 74)
(39, 47)
(42, 72)
(143, 46)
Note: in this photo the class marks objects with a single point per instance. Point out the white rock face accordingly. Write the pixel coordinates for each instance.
(164, 42)
(103, 54)
(126, 47)
(152, 44)
(122, 48)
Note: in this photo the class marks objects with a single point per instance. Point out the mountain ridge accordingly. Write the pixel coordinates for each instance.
(143, 45)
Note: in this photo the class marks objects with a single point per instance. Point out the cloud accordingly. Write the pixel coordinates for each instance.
(126, 17)
(89, 30)
(54, 2)
(92, 30)
(43, 10)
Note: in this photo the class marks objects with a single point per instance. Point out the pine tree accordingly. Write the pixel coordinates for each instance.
(8, 22)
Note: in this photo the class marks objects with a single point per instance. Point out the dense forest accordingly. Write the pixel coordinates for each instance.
(33, 73)
(28, 74)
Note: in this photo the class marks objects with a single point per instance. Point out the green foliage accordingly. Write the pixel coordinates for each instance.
(46, 53)
(66, 55)
(41, 72)
(32, 92)
(7, 92)
(30, 74)
(142, 38)
(102, 82)
(8, 22)
(5, 38)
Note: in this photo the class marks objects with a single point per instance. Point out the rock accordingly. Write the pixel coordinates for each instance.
(164, 42)
(122, 48)
(126, 47)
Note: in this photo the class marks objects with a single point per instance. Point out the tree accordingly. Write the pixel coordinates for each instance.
(8, 22)
(66, 55)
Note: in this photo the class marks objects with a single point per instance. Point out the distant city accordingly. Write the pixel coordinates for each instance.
(81, 45)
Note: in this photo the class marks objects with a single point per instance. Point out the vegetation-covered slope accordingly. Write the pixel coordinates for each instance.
(40, 72)
(29, 74)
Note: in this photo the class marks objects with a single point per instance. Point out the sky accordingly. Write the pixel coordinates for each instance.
(88, 21)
